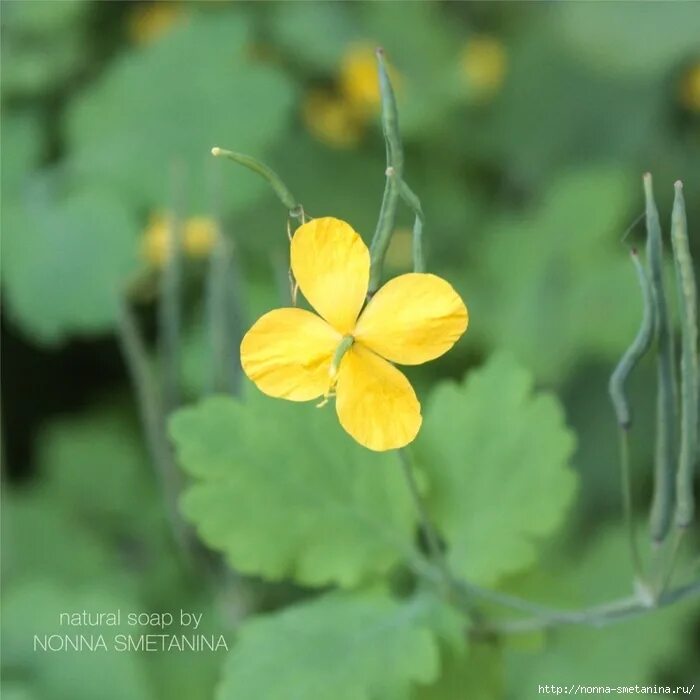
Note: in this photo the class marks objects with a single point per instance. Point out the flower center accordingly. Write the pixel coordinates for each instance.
(344, 345)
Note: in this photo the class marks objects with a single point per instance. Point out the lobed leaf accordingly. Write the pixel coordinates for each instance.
(143, 132)
(282, 491)
(496, 457)
(342, 646)
(35, 609)
(66, 262)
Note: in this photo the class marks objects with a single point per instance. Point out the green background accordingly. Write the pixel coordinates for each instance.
(529, 182)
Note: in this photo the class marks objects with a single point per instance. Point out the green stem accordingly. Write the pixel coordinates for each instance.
(153, 422)
(430, 533)
(169, 298)
(294, 209)
(544, 616)
(225, 318)
(455, 590)
(169, 322)
(628, 512)
(672, 559)
(617, 389)
(596, 616)
(280, 189)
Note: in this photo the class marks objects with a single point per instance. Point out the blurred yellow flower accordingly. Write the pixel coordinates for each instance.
(358, 79)
(148, 22)
(484, 63)
(155, 242)
(339, 119)
(329, 119)
(690, 88)
(198, 238)
(347, 350)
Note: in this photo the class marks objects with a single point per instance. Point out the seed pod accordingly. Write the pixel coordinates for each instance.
(394, 175)
(666, 398)
(410, 197)
(634, 352)
(688, 306)
(279, 188)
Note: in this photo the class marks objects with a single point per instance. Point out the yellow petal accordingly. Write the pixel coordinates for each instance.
(375, 402)
(413, 318)
(331, 264)
(287, 353)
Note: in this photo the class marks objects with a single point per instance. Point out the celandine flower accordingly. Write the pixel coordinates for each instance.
(348, 349)
(198, 238)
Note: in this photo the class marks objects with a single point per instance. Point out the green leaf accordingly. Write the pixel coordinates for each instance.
(475, 673)
(282, 491)
(95, 514)
(13, 690)
(66, 261)
(35, 609)
(543, 72)
(22, 147)
(95, 464)
(43, 44)
(341, 646)
(541, 272)
(98, 496)
(627, 652)
(331, 24)
(608, 35)
(44, 17)
(495, 455)
(148, 125)
(39, 539)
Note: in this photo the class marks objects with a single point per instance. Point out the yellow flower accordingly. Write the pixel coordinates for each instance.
(349, 347)
(484, 63)
(155, 242)
(331, 120)
(690, 89)
(358, 78)
(199, 236)
(149, 22)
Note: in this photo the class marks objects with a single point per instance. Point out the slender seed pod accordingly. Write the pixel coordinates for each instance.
(394, 175)
(280, 189)
(294, 208)
(688, 306)
(666, 398)
(411, 198)
(634, 352)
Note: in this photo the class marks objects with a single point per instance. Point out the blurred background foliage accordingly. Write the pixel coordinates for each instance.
(527, 127)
